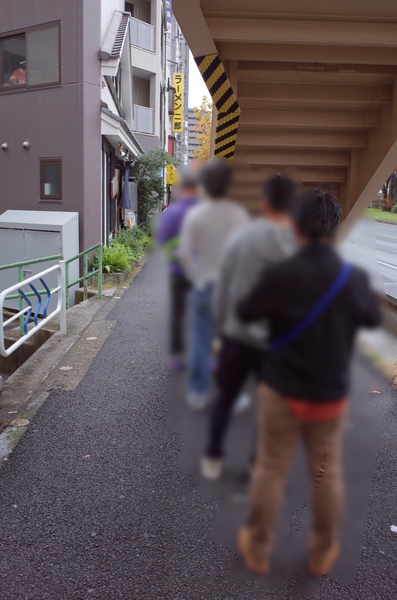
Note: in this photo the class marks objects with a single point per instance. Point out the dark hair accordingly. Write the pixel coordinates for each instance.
(216, 177)
(278, 191)
(316, 214)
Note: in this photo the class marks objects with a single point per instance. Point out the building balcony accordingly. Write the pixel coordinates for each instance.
(143, 119)
(142, 34)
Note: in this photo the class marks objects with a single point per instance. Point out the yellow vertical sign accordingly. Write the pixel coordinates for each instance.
(178, 103)
(170, 174)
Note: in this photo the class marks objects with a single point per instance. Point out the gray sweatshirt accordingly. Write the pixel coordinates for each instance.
(247, 252)
(205, 231)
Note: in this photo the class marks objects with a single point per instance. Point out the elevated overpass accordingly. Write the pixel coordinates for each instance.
(307, 84)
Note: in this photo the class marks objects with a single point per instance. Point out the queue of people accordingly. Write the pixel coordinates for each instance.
(286, 309)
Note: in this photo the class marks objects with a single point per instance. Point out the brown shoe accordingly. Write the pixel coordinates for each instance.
(322, 565)
(260, 566)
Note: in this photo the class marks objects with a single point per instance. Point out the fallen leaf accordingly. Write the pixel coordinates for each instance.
(19, 423)
(87, 456)
(376, 392)
(65, 368)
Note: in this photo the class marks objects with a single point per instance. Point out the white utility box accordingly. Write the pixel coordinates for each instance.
(29, 234)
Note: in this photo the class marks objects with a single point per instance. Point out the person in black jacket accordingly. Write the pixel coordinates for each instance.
(315, 305)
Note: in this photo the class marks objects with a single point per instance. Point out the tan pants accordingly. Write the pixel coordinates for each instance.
(278, 435)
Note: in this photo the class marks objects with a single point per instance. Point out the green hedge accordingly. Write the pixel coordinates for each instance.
(124, 250)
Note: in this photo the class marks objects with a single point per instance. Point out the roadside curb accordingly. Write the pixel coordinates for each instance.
(387, 222)
(25, 391)
(381, 363)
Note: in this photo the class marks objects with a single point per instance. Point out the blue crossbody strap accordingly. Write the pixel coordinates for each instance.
(316, 311)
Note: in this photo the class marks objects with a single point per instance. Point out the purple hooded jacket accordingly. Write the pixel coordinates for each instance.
(169, 230)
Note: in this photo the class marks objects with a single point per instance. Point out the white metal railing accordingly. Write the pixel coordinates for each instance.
(142, 34)
(60, 309)
(143, 119)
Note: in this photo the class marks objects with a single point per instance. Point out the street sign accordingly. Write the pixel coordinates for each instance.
(168, 10)
(170, 174)
(178, 103)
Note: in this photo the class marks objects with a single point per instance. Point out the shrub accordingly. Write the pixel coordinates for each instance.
(146, 228)
(116, 258)
(387, 203)
(135, 240)
(151, 187)
(394, 208)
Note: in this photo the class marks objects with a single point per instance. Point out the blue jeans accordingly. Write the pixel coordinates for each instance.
(202, 330)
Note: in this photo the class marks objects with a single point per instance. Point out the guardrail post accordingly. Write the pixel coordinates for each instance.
(67, 283)
(100, 251)
(85, 276)
(21, 318)
(64, 295)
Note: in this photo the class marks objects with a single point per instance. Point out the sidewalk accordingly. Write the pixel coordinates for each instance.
(94, 506)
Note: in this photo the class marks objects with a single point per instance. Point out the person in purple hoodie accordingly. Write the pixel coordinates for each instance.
(168, 233)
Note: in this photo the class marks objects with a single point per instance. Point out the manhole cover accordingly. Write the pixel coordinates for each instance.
(19, 423)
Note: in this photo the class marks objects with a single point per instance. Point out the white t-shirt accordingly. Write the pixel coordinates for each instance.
(204, 233)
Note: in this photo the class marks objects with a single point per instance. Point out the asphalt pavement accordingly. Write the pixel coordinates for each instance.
(100, 498)
(372, 245)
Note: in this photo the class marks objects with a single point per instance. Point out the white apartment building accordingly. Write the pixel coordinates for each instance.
(147, 26)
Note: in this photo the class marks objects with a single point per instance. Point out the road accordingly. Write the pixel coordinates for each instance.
(100, 499)
(373, 246)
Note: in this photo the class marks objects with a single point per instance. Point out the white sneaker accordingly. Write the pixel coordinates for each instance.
(211, 468)
(243, 402)
(197, 401)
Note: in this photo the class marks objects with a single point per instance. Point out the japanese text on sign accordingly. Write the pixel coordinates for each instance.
(178, 103)
(170, 174)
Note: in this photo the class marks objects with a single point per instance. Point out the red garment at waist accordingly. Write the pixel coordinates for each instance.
(316, 411)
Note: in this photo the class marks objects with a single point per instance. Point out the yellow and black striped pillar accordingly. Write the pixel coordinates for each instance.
(218, 84)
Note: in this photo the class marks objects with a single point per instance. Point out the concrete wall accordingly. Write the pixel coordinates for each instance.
(60, 121)
(155, 101)
(107, 11)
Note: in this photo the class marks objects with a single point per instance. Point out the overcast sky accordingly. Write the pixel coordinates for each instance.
(197, 87)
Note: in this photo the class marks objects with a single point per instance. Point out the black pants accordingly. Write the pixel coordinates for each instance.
(179, 291)
(237, 362)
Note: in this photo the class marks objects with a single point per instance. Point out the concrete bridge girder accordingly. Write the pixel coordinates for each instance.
(316, 86)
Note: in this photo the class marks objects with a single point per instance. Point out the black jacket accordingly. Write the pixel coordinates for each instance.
(316, 365)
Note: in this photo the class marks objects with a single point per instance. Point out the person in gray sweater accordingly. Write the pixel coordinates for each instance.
(205, 231)
(249, 250)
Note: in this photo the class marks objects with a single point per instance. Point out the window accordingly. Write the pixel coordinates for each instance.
(13, 61)
(42, 47)
(30, 58)
(51, 179)
(117, 83)
(129, 7)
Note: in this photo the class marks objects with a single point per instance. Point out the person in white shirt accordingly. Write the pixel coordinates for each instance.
(204, 233)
